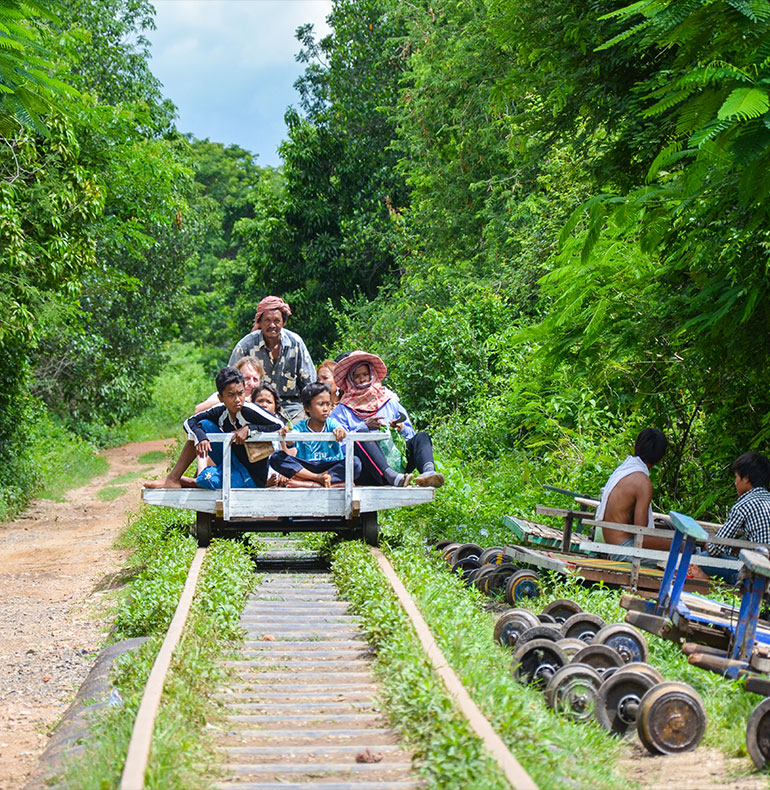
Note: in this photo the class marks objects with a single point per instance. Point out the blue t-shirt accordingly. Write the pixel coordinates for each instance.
(318, 451)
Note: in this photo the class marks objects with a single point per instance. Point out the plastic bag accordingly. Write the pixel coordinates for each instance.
(393, 447)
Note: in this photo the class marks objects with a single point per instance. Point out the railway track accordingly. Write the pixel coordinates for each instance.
(302, 701)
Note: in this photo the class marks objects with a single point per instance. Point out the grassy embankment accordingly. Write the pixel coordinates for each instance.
(181, 757)
(60, 460)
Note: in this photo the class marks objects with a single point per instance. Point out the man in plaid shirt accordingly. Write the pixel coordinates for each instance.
(749, 517)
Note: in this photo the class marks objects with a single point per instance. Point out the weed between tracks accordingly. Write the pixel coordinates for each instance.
(181, 753)
(555, 752)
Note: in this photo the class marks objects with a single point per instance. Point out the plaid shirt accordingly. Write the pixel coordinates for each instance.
(292, 371)
(749, 518)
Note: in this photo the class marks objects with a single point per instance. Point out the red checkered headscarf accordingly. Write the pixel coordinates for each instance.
(366, 399)
(270, 303)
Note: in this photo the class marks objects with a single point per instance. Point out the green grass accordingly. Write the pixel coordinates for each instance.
(56, 460)
(109, 493)
(153, 457)
(555, 752)
(182, 753)
(64, 460)
(181, 385)
(465, 635)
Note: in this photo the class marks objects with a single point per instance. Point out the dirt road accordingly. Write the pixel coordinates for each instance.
(56, 564)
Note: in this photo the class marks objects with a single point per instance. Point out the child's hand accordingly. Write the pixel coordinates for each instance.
(283, 431)
(339, 434)
(240, 436)
(203, 448)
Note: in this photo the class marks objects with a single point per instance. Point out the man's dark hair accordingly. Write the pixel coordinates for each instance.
(755, 466)
(310, 391)
(227, 376)
(650, 445)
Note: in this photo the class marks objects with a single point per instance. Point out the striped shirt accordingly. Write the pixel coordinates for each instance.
(749, 519)
(258, 419)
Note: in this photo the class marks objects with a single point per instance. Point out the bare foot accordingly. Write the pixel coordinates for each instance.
(695, 572)
(188, 482)
(295, 482)
(167, 482)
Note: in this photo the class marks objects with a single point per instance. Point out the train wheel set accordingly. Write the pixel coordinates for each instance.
(588, 670)
(491, 571)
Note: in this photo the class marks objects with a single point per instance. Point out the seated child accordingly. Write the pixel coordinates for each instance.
(325, 374)
(317, 463)
(233, 415)
(749, 517)
(266, 396)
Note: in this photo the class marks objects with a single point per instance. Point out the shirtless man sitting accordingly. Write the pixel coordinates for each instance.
(627, 496)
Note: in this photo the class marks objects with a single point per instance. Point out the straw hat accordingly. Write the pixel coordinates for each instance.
(353, 360)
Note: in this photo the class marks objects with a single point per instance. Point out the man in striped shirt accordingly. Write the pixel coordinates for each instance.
(749, 517)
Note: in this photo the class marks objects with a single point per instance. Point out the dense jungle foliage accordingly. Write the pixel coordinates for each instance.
(550, 219)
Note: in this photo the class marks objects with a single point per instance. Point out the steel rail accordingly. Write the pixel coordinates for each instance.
(517, 777)
(138, 754)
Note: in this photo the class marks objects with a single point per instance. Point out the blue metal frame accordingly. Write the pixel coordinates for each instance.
(743, 633)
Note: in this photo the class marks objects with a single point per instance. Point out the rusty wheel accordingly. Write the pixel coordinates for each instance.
(758, 734)
(671, 718)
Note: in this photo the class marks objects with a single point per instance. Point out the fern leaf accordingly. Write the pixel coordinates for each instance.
(663, 158)
(743, 7)
(575, 217)
(698, 111)
(752, 144)
(744, 103)
(624, 35)
(665, 104)
(640, 7)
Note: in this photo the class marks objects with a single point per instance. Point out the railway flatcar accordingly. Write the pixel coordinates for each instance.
(351, 511)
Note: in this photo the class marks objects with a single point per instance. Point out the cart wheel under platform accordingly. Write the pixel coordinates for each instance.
(758, 734)
(201, 530)
(370, 529)
(617, 703)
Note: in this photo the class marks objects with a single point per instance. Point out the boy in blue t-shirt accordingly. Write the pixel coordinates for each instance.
(316, 463)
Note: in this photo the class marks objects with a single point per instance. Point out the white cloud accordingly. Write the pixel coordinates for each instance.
(243, 33)
(229, 65)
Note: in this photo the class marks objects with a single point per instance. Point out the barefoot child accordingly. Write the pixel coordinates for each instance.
(233, 415)
(321, 463)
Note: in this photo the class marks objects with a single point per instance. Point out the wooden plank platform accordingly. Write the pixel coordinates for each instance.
(540, 534)
(286, 502)
(613, 573)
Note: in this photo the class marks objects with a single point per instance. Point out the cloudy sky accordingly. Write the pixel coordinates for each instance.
(229, 66)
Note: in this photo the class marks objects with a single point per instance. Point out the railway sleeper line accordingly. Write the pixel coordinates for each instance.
(300, 697)
(301, 701)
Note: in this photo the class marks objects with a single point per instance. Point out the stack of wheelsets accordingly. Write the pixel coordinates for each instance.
(491, 571)
(592, 670)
